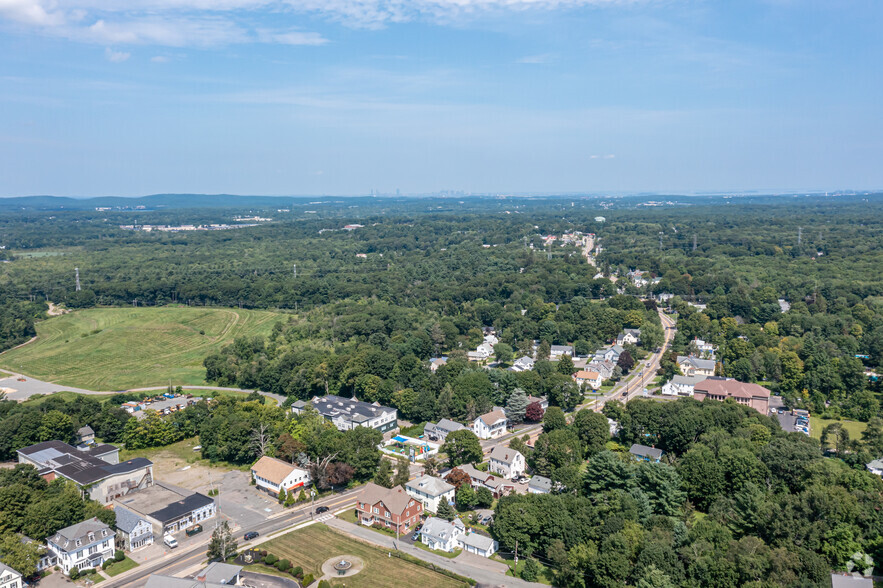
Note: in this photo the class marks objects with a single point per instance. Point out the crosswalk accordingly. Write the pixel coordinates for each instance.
(325, 517)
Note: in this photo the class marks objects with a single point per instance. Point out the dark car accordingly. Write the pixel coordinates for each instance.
(250, 535)
(321, 509)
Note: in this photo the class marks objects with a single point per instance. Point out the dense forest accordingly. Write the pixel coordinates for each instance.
(733, 502)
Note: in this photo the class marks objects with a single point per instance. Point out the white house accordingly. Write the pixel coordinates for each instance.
(705, 349)
(440, 431)
(693, 366)
(84, 545)
(9, 578)
(681, 385)
(431, 491)
(272, 475)
(437, 362)
(506, 462)
(490, 425)
(133, 531)
(587, 378)
(491, 339)
(609, 354)
(439, 534)
(478, 544)
(603, 367)
(539, 485)
(875, 467)
(523, 364)
(629, 336)
(349, 413)
(557, 351)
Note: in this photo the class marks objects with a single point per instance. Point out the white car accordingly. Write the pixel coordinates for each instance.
(170, 541)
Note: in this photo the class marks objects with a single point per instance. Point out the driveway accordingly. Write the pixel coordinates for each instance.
(242, 503)
(20, 391)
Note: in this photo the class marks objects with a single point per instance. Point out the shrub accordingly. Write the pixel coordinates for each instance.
(75, 573)
(297, 571)
(282, 565)
(106, 564)
(119, 555)
(324, 584)
(308, 579)
(531, 570)
(270, 559)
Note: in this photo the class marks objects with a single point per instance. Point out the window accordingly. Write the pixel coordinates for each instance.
(376, 510)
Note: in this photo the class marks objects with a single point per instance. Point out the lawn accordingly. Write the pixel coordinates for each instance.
(311, 546)
(119, 348)
(118, 567)
(545, 575)
(855, 428)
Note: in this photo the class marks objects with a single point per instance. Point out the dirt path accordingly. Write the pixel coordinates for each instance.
(55, 310)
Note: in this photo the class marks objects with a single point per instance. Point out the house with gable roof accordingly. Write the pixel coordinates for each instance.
(84, 545)
(392, 508)
(490, 425)
(506, 462)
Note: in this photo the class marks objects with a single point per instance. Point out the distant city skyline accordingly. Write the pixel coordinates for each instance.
(339, 97)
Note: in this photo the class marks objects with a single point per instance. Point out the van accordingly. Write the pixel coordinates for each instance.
(170, 541)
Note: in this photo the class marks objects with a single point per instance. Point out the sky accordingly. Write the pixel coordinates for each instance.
(341, 97)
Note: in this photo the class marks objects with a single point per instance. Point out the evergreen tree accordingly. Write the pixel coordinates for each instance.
(302, 496)
(403, 473)
(222, 544)
(383, 477)
(282, 495)
(517, 405)
(565, 366)
(446, 511)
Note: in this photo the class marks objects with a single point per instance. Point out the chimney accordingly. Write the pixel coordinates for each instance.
(201, 578)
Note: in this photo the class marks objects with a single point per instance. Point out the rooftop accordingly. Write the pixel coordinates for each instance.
(493, 417)
(89, 531)
(272, 469)
(644, 451)
(481, 542)
(734, 388)
(163, 502)
(395, 499)
(333, 407)
(504, 454)
(429, 485)
(82, 466)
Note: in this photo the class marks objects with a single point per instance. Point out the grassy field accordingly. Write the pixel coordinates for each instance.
(816, 425)
(311, 546)
(118, 567)
(119, 348)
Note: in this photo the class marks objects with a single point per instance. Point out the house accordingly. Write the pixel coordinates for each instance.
(216, 575)
(272, 475)
(439, 431)
(629, 337)
(693, 366)
(522, 364)
(430, 491)
(506, 462)
(557, 351)
(539, 485)
(587, 378)
(85, 435)
(844, 580)
(96, 469)
(875, 467)
(610, 354)
(439, 534)
(681, 385)
(437, 362)
(644, 453)
(603, 367)
(9, 578)
(167, 508)
(753, 395)
(349, 413)
(478, 544)
(544, 404)
(84, 545)
(491, 339)
(392, 508)
(133, 531)
(490, 425)
(705, 349)
(497, 484)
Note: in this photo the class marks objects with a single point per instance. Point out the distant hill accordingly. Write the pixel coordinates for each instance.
(153, 202)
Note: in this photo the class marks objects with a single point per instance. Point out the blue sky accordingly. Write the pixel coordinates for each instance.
(132, 97)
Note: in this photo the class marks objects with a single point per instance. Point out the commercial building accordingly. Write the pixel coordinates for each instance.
(168, 509)
(753, 395)
(349, 413)
(272, 475)
(96, 469)
(84, 545)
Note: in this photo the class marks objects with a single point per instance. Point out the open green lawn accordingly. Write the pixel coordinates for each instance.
(119, 348)
(816, 425)
(118, 567)
(311, 546)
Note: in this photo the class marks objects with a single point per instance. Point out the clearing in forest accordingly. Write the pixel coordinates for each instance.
(120, 348)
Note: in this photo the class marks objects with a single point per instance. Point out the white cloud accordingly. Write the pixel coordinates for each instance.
(159, 59)
(291, 38)
(116, 56)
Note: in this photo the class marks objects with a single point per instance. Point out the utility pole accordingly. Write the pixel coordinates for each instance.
(694, 241)
(295, 271)
(799, 236)
(660, 240)
(77, 273)
(516, 558)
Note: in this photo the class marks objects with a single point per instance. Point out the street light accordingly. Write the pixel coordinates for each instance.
(312, 501)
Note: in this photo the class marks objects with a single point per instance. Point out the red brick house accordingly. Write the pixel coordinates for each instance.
(391, 507)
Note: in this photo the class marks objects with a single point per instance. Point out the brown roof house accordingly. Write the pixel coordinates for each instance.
(392, 508)
(753, 395)
(272, 475)
(490, 425)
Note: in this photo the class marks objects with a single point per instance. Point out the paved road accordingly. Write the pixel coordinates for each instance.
(473, 569)
(181, 561)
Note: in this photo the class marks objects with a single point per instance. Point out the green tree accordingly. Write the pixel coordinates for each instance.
(662, 485)
(483, 498)
(531, 570)
(403, 473)
(592, 429)
(465, 498)
(554, 419)
(606, 471)
(20, 556)
(384, 474)
(222, 545)
(446, 511)
(565, 366)
(282, 496)
(56, 425)
(517, 405)
(504, 353)
(462, 447)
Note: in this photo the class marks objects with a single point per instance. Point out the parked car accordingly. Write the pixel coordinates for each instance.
(250, 535)
(321, 509)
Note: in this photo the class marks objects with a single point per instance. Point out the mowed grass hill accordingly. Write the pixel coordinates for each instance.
(119, 348)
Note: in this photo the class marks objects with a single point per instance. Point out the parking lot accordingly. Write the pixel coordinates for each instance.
(792, 423)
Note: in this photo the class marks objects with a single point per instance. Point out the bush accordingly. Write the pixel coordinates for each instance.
(531, 570)
(106, 564)
(75, 573)
(270, 559)
(308, 579)
(283, 565)
(324, 584)
(263, 553)
(297, 571)
(119, 555)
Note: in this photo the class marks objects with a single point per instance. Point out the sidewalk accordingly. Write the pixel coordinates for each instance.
(473, 569)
